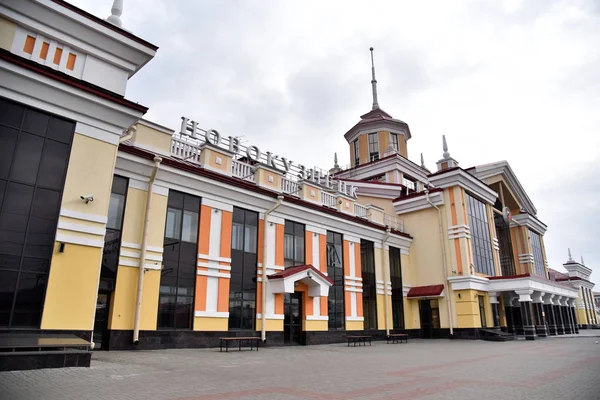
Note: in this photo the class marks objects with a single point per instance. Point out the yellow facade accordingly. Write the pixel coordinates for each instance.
(72, 288)
(7, 33)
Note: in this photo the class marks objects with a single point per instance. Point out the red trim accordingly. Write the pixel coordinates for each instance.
(69, 80)
(105, 24)
(183, 166)
(425, 291)
(416, 194)
(443, 171)
(299, 268)
(494, 278)
(375, 183)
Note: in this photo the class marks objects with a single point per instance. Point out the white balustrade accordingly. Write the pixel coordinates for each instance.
(360, 210)
(186, 151)
(328, 199)
(393, 222)
(290, 186)
(242, 170)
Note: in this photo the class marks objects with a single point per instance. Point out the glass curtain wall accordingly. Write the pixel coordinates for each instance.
(397, 291)
(335, 272)
(180, 249)
(369, 295)
(34, 155)
(242, 289)
(480, 236)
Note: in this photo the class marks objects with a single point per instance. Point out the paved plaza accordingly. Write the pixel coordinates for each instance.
(556, 368)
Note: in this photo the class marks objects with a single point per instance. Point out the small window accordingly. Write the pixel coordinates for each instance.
(173, 225)
(293, 244)
(394, 141)
(373, 146)
(356, 153)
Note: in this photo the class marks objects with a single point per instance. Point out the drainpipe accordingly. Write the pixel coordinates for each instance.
(138, 304)
(444, 263)
(386, 275)
(263, 314)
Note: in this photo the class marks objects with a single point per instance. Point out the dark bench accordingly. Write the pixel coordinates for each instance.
(359, 339)
(240, 341)
(397, 338)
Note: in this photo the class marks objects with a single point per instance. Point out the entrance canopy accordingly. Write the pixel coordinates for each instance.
(426, 291)
(317, 282)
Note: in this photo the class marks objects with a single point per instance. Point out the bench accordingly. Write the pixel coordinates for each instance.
(240, 341)
(397, 338)
(359, 340)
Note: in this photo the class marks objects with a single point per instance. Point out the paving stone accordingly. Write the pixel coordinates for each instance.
(430, 370)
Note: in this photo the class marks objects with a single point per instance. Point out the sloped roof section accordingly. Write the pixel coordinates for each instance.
(378, 118)
(502, 168)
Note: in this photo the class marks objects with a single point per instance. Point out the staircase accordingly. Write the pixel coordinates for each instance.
(493, 335)
(22, 351)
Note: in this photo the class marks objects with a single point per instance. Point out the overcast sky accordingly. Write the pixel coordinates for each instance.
(513, 80)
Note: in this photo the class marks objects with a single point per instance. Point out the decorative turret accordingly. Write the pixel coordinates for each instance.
(446, 162)
(336, 167)
(577, 269)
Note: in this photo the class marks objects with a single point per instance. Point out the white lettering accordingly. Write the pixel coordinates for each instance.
(194, 129)
(212, 136)
(286, 164)
(328, 181)
(302, 174)
(234, 144)
(271, 159)
(255, 156)
(184, 122)
(353, 190)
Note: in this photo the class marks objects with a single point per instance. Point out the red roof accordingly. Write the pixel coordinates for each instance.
(298, 268)
(555, 275)
(425, 291)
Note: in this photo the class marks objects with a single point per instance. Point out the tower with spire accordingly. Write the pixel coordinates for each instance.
(377, 134)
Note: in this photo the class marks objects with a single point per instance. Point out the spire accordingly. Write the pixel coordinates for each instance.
(445, 146)
(446, 162)
(115, 13)
(335, 161)
(570, 257)
(422, 161)
(582, 263)
(374, 82)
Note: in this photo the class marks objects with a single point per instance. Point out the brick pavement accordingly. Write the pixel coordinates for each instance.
(429, 370)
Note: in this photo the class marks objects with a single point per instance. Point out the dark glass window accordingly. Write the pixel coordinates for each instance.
(373, 146)
(482, 317)
(335, 272)
(394, 141)
(480, 236)
(293, 244)
(112, 239)
(356, 153)
(369, 295)
(178, 276)
(33, 166)
(242, 286)
(507, 263)
(397, 291)
(538, 258)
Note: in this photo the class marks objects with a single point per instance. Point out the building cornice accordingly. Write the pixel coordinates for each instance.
(531, 222)
(503, 168)
(459, 177)
(419, 202)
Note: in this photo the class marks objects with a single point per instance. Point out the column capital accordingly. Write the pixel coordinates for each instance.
(571, 302)
(556, 300)
(493, 297)
(548, 298)
(537, 297)
(524, 295)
